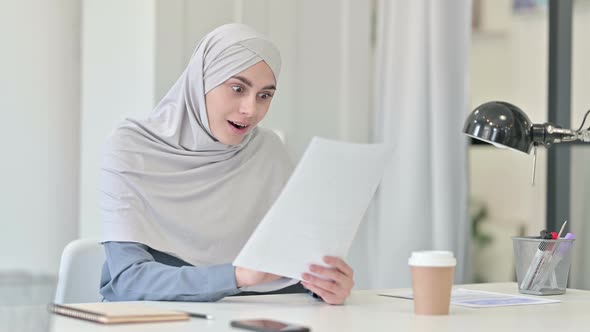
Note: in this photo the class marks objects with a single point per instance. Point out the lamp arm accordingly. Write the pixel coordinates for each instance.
(558, 135)
(547, 134)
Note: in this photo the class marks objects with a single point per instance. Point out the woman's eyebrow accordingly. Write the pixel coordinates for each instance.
(249, 84)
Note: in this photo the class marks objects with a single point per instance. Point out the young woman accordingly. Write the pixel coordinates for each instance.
(183, 189)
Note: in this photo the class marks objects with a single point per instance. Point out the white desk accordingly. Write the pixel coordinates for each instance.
(366, 312)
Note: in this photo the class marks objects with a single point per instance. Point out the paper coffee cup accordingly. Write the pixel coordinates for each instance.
(432, 281)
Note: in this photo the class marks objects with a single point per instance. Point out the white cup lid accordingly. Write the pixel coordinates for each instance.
(437, 258)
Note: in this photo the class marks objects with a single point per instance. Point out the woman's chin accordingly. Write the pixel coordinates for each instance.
(232, 140)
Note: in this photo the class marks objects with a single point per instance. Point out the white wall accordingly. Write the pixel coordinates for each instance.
(39, 80)
(509, 63)
(331, 93)
(118, 80)
(580, 217)
(580, 192)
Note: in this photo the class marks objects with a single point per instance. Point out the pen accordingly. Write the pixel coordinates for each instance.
(545, 270)
(536, 262)
(561, 230)
(198, 315)
(549, 270)
(547, 255)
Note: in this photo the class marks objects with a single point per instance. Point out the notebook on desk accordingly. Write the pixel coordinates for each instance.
(117, 312)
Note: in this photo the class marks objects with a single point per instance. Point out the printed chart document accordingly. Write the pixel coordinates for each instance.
(319, 210)
(480, 299)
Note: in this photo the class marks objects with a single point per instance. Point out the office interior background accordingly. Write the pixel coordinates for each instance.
(70, 70)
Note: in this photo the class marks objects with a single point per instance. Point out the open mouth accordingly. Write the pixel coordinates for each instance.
(238, 125)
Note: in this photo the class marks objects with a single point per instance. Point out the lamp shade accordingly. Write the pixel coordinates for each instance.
(501, 124)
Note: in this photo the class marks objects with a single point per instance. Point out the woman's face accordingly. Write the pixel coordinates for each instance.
(238, 104)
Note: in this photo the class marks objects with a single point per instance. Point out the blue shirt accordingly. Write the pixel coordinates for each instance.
(135, 272)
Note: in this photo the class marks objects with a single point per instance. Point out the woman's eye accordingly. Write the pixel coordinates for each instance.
(237, 88)
(265, 95)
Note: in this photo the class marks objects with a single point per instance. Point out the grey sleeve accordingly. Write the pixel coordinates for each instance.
(133, 274)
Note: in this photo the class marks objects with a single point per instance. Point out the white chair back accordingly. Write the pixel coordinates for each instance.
(79, 272)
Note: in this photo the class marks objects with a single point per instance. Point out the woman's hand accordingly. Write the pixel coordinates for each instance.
(247, 277)
(339, 280)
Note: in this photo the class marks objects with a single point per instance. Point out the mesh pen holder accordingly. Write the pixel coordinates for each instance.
(542, 266)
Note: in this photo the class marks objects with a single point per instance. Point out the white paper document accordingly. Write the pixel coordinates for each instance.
(481, 299)
(319, 210)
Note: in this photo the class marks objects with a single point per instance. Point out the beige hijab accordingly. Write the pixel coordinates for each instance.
(168, 183)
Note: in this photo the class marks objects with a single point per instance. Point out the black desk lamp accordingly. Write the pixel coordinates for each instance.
(507, 126)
